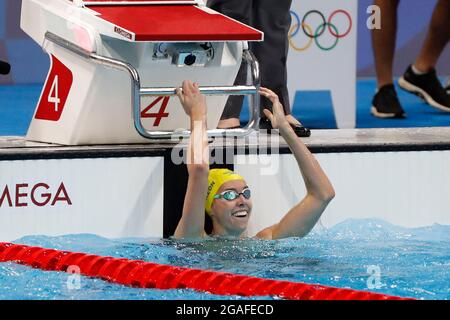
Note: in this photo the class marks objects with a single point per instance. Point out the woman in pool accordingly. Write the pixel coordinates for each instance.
(228, 198)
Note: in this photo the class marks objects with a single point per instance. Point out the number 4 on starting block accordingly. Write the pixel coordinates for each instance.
(160, 114)
(56, 91)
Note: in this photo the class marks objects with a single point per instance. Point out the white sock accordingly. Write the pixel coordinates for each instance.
(417, 71)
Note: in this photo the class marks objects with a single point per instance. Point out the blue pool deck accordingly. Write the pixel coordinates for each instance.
(424, 129)
(314, 109)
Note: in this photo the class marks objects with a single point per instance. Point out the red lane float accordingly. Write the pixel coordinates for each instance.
(143, 274)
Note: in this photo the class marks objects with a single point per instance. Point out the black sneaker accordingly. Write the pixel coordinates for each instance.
(299, 130)
(427, 86)
(447, 88)
(385, 104)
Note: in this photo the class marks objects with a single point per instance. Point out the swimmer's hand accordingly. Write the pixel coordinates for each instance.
(277, 117)
(193, 102)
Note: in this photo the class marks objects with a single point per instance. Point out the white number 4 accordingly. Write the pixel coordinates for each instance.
(53, 96)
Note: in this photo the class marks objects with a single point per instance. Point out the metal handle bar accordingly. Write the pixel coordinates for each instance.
(137, 92)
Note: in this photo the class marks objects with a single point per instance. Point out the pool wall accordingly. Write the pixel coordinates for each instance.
(398, 175)
(111, 197)
(407, 189)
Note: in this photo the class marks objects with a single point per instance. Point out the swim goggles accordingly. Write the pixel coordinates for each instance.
(232, 194)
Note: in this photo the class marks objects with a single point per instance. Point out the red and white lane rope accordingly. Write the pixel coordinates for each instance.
(137, 273)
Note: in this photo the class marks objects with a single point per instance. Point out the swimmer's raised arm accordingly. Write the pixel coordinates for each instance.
(192, 222)
(302, 217)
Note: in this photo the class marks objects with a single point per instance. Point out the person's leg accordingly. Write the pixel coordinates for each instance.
(437, 37)
(241, 11)
(385, 103)
(383, 41)
(421, 78)
(274, 19)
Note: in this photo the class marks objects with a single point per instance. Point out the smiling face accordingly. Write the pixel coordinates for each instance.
(230, 217)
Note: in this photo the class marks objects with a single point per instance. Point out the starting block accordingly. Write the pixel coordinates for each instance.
(115, 66)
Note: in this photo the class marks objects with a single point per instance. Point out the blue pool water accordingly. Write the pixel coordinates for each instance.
(358, 254)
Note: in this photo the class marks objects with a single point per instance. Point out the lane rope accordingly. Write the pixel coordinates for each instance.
(142, 274)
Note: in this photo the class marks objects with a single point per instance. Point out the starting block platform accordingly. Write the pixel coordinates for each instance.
(163, 21)
(115, 66)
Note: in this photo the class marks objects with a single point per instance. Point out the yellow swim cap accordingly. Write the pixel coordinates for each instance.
(216, 178)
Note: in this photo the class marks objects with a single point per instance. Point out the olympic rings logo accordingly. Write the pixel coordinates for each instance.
(313, 34)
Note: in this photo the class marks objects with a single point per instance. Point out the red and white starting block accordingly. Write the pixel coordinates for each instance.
(96, 47)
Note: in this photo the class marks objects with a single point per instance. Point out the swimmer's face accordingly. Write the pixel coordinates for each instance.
(230, 217)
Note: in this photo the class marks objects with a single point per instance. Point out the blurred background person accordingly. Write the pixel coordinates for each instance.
(272, 17)
(420, 78)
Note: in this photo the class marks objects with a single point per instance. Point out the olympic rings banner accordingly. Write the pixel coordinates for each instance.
(317, 31)
(322, 54)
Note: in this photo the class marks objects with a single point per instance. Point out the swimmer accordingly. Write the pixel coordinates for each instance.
(226, 197)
